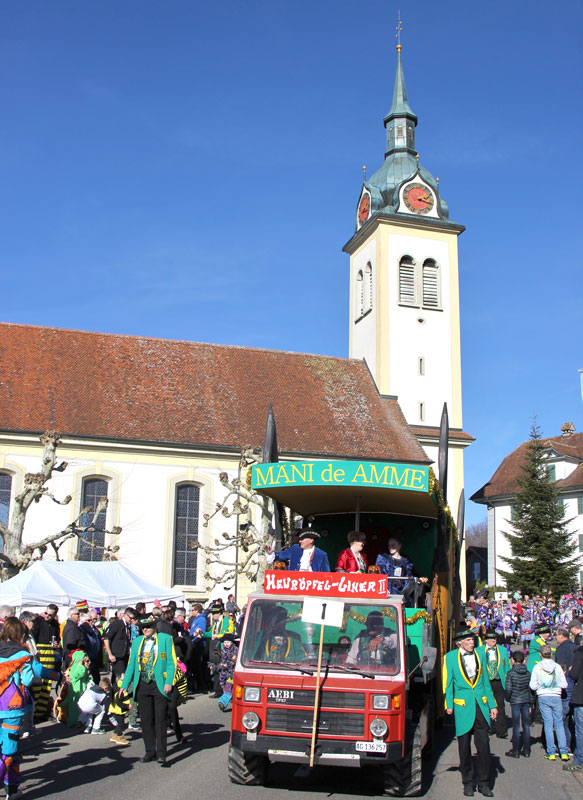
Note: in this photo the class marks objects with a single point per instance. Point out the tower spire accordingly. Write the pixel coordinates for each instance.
(400, 122)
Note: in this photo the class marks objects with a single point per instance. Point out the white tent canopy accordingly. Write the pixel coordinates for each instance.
(101, 583)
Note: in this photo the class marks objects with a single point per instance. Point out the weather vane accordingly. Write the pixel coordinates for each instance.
(399, 28)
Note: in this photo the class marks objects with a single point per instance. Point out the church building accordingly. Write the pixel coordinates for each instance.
(151, 423)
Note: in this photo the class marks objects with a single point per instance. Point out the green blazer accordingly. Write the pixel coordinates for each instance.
(164, 664)
(461, 694)
(533, 652)
(503, 662)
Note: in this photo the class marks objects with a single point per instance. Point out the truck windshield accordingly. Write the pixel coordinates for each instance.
(368, 639)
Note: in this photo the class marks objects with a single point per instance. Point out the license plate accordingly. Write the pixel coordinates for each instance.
(372, 747)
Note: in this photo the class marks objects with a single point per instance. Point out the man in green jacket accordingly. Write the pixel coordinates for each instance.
(469, 697)
(495, 659)
(152, 670)
(542, 637)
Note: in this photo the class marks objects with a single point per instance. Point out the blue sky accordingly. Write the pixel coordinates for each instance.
(190, 170)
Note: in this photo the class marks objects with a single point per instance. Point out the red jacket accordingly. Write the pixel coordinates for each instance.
(347, 561)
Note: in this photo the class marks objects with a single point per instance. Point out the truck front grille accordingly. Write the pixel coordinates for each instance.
(307, 697)
(331, 723)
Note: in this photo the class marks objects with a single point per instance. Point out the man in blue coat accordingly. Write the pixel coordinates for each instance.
(302, 557)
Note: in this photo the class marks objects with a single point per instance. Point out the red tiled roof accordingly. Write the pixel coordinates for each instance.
(155, 390)
(504, 480)
(574, 480)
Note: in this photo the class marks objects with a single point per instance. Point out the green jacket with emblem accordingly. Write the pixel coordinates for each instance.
(534, 655)
(461, 694)
(164, 663)
(503, 664)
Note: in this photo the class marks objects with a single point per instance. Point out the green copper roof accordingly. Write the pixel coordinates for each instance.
(400, 107)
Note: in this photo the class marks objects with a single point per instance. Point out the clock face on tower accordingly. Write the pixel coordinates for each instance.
(363, 209)
(418, 198)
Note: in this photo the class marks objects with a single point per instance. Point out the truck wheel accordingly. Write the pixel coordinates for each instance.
(403, 778)
(247, 769)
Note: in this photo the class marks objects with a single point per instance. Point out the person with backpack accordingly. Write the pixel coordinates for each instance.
(517, 692)
(548, 680)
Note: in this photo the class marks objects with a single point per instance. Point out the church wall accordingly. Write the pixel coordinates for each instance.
(412, 340)
(142, 484)
(363, 329)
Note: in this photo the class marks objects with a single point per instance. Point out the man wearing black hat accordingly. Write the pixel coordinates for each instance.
(542, 637)
(152, 670)
(469, 697)
(353, 559)
(302, 557)
(497, 664)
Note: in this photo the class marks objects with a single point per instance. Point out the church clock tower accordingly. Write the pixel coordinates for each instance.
(404, 288)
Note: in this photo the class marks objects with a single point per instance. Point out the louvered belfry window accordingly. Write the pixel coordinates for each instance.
(407, 288)
(186, 534)
(431, 292)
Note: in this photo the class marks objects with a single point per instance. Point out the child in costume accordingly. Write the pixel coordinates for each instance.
(118, 707)
(78, 680)
(226, 668)
(17, 671)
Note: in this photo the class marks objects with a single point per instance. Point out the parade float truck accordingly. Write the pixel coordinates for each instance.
(333, 669)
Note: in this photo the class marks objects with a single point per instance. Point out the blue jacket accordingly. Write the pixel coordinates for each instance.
(293, 556)
(387, 565)
(17, 671)
(199, 621)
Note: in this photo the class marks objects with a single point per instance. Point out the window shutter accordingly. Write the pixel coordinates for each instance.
(407, 293)
(431, 297)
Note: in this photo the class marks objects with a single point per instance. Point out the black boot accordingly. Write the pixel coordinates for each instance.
(512, 754)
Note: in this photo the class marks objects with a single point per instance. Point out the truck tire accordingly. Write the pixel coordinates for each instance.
(403, 778)
(247, 769)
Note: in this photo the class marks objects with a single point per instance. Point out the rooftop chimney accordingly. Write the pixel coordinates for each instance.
(567, 429)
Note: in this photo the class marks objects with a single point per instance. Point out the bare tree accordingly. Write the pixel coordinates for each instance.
(241, 553)
(16, 555)
(477, 534)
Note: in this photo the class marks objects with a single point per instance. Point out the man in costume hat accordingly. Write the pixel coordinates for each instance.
(469, 697)
(302, 557)
(352, 559)
(495, 659)
(152, 670)
(542, 637)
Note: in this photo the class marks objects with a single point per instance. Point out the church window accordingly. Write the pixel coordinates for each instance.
(92, 543)
(407, 282)
(431, 288)
(5, 489)
(368, 287)
(409, 135)
(421, 366)
(400, 133)
(359, 295)
(186, 520)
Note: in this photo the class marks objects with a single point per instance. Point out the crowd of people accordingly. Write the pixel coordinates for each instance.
(127, 672)
(527, 652)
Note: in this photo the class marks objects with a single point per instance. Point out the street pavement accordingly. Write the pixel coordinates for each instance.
(68, 765)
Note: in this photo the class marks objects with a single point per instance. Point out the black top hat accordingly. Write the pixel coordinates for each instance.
(543, 629)
(463, 632)
(490, 633)
(308, 533)
(148, 622)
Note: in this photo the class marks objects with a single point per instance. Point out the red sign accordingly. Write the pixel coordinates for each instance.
(326, 584)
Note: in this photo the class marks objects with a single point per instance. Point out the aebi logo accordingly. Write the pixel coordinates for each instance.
(280, 695)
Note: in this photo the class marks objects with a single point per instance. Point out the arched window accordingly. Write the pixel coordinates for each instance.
(5, 490)
(431, 288)
(368, 287)
(92, 544)
(407, 282)
(186, 516)
(359, 295)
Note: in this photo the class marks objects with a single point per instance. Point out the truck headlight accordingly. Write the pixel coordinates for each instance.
(378, 728)
(380, 702)
(250, 721)
(252, 694)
